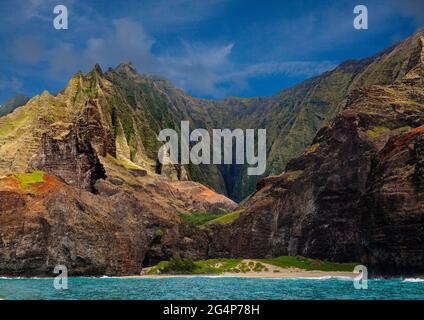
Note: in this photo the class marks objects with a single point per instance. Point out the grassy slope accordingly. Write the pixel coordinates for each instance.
(218, 266)
(226, 218)
(198, 218)
(28, 178)
(308, 264)
(204, 218)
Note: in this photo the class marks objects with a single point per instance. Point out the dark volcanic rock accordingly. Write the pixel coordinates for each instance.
(419, 159)
(90, 234)
(392, 210)
(138, 173)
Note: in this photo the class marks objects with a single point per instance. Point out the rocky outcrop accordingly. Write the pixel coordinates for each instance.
(71, 151)
(117, 231)
(321, 205)
(392, 209)
(100, 208)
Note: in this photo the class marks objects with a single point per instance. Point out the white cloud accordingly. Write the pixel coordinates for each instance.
(126, 40)
(290, 68)
(201, 68)
(163, 15)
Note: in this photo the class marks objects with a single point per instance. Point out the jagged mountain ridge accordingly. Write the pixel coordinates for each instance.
(292, 117)
(90, 109)
(100, 205)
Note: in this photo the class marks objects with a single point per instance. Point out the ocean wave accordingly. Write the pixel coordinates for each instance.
(413, 280)
(313, 278)
(341, 278)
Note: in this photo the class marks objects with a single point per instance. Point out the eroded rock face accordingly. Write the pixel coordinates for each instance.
(71, 151)
(101, 209)
(418, 177)
(308, 210)
(392, 210)
(53, 223)
(344, 199)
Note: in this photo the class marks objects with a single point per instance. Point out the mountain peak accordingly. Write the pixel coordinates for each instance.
(96, 69)
(126, 67)
(45, 93)
(128, 63)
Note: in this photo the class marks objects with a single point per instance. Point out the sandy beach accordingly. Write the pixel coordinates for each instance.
(261, 275)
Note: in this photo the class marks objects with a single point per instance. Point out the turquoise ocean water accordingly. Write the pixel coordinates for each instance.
(210, 288)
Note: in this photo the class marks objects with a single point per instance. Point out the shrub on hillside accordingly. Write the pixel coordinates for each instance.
(179, 265)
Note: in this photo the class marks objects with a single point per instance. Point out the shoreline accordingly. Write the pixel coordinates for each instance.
(313, 275)
(258, 275)
(286, 274)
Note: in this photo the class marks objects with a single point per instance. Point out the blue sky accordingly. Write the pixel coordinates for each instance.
(210, 48)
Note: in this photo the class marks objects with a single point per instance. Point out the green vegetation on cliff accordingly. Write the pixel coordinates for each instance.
(376, 132)
(198, 218)
(308, 264)
(188, 266)
(226, 218)
(27, 178)
(293, 175)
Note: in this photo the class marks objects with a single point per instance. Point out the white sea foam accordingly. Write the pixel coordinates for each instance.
(341, 278)
(267, 278)
(413, 280)
(312, 278)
